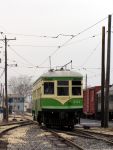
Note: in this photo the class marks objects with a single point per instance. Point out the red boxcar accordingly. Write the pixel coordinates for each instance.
(89, 100)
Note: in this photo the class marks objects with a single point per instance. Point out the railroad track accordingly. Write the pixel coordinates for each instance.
(10, 127)
(94, 135)
(84, 134)
(85, 140)
(65, 140)
(67, 143)
(13, 126)
(59, 141)
(76, 140)
(56, 141)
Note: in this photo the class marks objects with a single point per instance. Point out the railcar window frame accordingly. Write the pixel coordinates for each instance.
(63, 88)
(76, 87)
(48, 90)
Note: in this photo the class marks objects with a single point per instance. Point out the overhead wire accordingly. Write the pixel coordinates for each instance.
(32, 45)
(38, 36)
(32, 66)
(91, 54)
(72, 37)
(96, 75)
(2, 73)
(21, 56)
(84, 39)
(65, 43)
(32, 35)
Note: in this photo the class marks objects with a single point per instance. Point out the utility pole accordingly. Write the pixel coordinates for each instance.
(102, 77)
(5, 40)
(3, 104)
(108, 73)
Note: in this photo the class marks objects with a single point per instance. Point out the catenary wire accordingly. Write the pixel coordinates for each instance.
(32, 45)
(2, 73)
(91, 54)
(72, 37)
(20, 56)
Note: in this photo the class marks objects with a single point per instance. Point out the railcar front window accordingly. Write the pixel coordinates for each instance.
(63, 83)
(76, 87)
(48, 87)
(76, 82)
(62, 88)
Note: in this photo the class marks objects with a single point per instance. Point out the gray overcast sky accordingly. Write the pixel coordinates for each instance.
(30, 20)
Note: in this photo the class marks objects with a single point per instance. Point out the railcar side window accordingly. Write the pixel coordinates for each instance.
(48, 87)
(76, 87)
(62, 88)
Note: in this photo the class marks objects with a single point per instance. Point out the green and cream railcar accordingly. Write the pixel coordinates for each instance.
(58, 98)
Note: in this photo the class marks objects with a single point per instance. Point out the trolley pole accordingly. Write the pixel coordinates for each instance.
(5, 40)
(108, 73)
(102, 76)
(50, 61)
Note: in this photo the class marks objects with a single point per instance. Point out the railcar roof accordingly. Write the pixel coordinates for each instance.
(60, 73)
(63, 73)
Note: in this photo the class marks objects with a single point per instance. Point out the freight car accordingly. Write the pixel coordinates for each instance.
(58, 98)
(89, 101)
(92, 102)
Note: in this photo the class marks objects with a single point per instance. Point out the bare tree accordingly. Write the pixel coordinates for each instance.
(21, 85)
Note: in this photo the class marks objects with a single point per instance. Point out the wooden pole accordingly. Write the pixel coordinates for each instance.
(108, 73)
(102, 76)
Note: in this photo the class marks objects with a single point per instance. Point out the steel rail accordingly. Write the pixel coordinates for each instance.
(94, 136)
(13, 126)
(66, 140)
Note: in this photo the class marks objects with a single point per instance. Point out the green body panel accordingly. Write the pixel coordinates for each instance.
(49, 103)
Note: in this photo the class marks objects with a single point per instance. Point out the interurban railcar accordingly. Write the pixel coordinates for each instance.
(58, 98)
